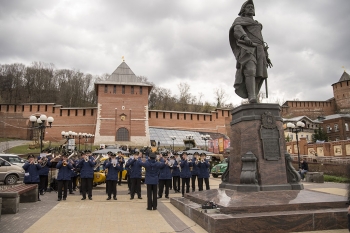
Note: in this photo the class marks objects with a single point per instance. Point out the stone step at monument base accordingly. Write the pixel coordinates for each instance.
(275, 211)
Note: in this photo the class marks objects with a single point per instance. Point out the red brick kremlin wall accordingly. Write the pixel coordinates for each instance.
(14, 120)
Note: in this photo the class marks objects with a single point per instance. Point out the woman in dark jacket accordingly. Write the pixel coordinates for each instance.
(64, 176)
(31, 175)
(151, 179)
(113, 167)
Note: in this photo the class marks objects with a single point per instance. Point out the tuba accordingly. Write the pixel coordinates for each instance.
(43, 162)
(97, 160)
(73, 154)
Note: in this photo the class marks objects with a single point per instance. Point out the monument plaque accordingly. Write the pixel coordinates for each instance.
(270, 137)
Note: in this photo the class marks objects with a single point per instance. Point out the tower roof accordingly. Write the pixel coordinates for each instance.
(123, 75)
(344, 77)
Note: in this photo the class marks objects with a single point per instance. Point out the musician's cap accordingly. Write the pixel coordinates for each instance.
(88, 151)
(184, 153)
(64, 155)
(113, 154)
(82, 152)
(152, 155)
(109, 152)
(203, 154)
(196, 153)
(120, 152)
(244, 5)
(165, 154)
(30, 156)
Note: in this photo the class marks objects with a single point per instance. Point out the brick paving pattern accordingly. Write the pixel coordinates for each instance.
(123, 215)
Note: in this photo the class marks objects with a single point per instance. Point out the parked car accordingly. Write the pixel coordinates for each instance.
(10, 173)
(14, 159)
(219, 169)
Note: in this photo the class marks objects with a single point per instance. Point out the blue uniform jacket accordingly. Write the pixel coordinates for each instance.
(152, 170)
(64, 172)
(44, 171)
(135, 168)
(105, 162)
(33, 170)
(185, 169)
(73, 173)
(176, 170)
(86, 168)
(203, 169)
(195, 169)
(113, 171)
(121, 163)
(165, 171)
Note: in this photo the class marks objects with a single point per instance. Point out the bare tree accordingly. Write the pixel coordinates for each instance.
(220, 96)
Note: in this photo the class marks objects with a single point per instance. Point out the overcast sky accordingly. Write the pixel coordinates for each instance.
(173, 41)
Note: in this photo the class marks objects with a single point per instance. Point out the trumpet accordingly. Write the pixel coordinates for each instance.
(64, 163)
(202, 160)
(35, 161)
(114, 162)
(86, 159)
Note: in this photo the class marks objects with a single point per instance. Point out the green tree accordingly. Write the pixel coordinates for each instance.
(320, 135)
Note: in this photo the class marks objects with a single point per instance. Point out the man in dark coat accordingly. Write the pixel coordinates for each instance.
(113, 167)
(44, 171)
(151, 179)
(250, 51)
(121, 162)
(194, 170)
(31, 175)
(64, 176)
(86, 165)
(185, 173)
(203, 173)
(176, 174)
(135, 174)
(164, 177)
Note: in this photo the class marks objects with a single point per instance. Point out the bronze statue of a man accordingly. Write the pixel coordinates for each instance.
(250, 51)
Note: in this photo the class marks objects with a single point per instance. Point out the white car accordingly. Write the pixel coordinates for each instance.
(10, 173)
(14, 159)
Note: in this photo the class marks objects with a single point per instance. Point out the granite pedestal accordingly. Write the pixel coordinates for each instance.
(257, 159)
(261, 191)
(265, 212)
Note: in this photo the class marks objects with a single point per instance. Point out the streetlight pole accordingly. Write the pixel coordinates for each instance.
(173, 138)
(69, 135)
(296, 129)
(205, 138)
(41, 120)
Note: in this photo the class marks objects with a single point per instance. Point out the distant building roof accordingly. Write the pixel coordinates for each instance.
(123, 75)
(298, 118)
(344, 77)
(335, 116)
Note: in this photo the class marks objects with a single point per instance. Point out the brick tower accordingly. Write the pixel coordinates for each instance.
(341, 91)
(122, 109)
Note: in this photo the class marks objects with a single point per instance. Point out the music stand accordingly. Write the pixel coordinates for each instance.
(53, 165)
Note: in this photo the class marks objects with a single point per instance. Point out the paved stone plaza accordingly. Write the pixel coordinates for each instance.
(123, 215)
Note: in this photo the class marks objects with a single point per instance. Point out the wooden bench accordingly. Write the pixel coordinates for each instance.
(12, 195)
(316, 177)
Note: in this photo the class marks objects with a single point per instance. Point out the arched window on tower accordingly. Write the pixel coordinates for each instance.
(122, 134)
(346, 127)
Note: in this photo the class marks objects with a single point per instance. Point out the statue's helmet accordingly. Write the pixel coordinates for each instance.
(244, 5)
